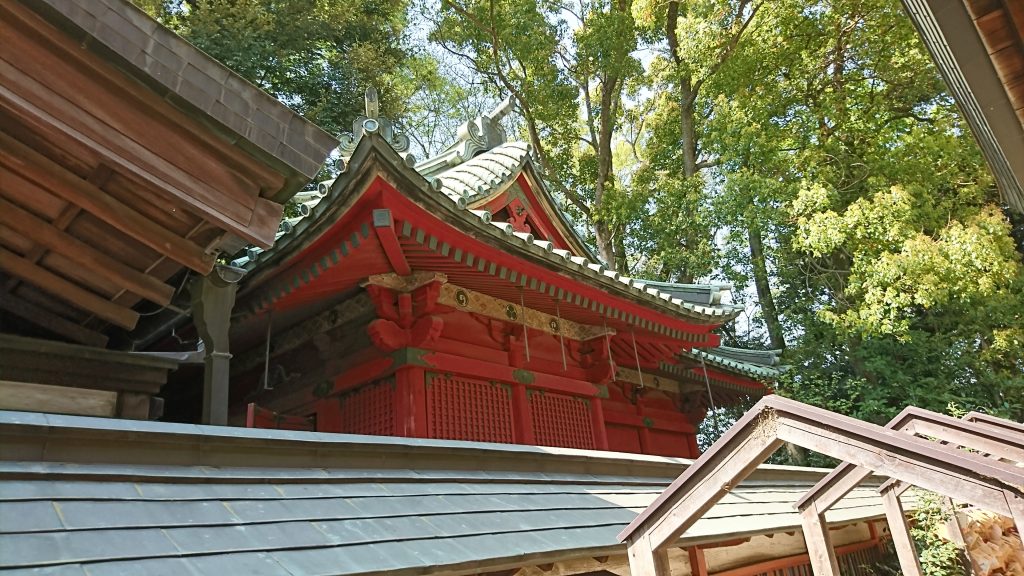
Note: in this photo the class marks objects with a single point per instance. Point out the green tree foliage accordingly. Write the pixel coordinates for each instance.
(316, 56)
(566, 66)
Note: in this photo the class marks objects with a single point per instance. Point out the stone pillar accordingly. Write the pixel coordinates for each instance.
(213, 297)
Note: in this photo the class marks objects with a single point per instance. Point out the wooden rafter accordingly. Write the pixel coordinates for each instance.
(970, 478)
(384, 227)
(920, 422)
(52, 322)
(53, 177)
(53, 238)
(57, 286)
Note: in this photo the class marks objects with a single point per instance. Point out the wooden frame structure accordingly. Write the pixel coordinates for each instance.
(968, 477)
(127, 157)
(953, 432)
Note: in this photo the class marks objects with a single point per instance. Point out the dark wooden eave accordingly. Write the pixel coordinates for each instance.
(126, 157)
(977, 46)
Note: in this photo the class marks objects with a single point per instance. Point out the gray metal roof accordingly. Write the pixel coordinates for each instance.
(754, 363)
(162, 504)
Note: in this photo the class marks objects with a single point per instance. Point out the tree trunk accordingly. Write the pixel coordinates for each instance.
(687, 129)
(764, 291)
(605, 246)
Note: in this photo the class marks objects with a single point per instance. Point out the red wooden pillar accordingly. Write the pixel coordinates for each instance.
(328, 415)
(694, 448)
(522, 423)
(410, 402)
(597, 417)
(645, 431)
(698, 564)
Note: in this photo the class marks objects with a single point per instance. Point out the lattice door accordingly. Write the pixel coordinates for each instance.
(460, 408)
(560, 420)
(369, 409)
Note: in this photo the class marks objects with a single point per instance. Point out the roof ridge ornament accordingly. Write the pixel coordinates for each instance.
(372, 122)
(478, 135)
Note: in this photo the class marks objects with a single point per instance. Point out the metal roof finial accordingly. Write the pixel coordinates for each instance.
(372, 122)
(372, 103)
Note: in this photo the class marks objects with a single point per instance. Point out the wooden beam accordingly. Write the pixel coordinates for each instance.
(52, 322)
(38, 230)
(56, 399)
(986, 483)
(98, 178)
(115, 314)
(729, 466)
(820, 551)
(55, 178)
(513, 313)
(964, 432)
(646, 559)
(384, 227)
(698, 563)
(900, 532)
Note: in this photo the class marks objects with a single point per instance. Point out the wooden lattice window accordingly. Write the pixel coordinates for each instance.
(460, 408)
(369, 409)
(560, 420)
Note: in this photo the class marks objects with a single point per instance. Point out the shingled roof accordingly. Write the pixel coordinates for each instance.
(95, 496)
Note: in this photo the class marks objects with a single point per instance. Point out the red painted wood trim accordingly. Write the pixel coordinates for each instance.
(417, 381)
(522, 421)
(791, 561)
(698, 563)
(480, 369)
(384, 227)
(405, 209)
(328, 415)
(691, 440)
(600, 430)
(658, 422)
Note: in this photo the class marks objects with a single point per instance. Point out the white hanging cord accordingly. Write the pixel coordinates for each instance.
(636, 354)
(707, 381)
(608, 345)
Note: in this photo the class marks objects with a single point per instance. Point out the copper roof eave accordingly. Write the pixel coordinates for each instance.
(373, 156)
(196, 83)
(960, 55)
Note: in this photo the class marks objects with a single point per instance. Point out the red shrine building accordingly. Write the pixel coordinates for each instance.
(452, 299)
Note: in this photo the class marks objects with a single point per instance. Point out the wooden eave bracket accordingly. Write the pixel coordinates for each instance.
(384, 227)
(995, 486)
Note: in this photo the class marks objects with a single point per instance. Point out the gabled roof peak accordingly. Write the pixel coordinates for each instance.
(479, 135)
(372, 122)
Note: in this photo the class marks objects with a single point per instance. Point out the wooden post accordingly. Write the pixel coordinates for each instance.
(698, 563)
(522, 423)
(819, 542)
(597, 420)
(956, 535)
(410, 402)
(1016, 504)
(900, 530)
(213, 297)
(645, 560)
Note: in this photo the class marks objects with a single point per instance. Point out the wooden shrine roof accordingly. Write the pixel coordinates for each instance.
(149, 497)
(126, 156)
(978, 46)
